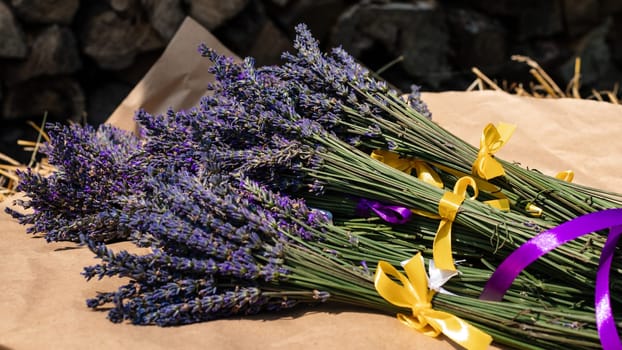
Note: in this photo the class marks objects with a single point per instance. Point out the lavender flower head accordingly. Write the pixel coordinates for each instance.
(206, 232)
(92, 168)
(213, 191)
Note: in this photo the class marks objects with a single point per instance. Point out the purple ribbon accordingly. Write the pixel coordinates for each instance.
(532, 250)
(390, 213)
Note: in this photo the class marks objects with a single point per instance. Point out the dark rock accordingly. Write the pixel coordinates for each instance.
(46, 11)
(608, 7)
(540, 18)
(62, 98)
(269, 54)
(165, 16)
(477, 40)
(122, 5)
(500, 7)
(135, 72)
(319, 15)
(53, 52)
(11, 132)
(581, 15)
(151, 41)
(212, 13)
(104, 99)
(113, 40)
(531, 18)
(280, 2)
(240, 33)
(548, 53)
(13, 43)
(417, 32)
(614, 38)
(596, 58)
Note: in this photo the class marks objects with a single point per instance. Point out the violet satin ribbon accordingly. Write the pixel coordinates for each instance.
(390, 213)
(532, 250)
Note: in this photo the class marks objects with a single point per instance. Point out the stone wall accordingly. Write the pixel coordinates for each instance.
(75, 60)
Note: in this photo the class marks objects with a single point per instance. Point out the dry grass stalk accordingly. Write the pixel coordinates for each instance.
(9, 166)
(544, 86)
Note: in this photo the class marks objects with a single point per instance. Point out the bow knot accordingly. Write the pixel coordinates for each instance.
(412, 292)
(419, 323)
(493, 138)
(421, 308)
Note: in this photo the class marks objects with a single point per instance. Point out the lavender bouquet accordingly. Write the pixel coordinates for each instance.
(218, 194)
(298, 142)
(223, 246)
(345, 98)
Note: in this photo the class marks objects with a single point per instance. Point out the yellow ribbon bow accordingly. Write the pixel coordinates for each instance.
(502, 202)
(447, 209)
(493, 138)
(413, 293)
(408, 164)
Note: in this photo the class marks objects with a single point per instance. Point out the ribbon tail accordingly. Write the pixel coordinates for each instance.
(392, 214)
(419, 324)
(426, 174)
(567, 175)
(459, 331)
(441, 247)
(501, 204)
(515, 263)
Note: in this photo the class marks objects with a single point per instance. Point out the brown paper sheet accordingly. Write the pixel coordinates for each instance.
(42, 299)
(552, 135)
(178, 79)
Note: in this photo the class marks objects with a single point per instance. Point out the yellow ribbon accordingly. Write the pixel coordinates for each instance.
(534, 210)
(493, 138)
(502, 202)
(413, 293)
(447, 209)
(567, 175)
(427, 174)
(408, 164)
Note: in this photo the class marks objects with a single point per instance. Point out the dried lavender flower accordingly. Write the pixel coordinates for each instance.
(93, 167)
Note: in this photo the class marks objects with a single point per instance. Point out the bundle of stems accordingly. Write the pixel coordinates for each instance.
(352, 241)
(292, 254)
(295, 140)
(345, 170)
(362, 106)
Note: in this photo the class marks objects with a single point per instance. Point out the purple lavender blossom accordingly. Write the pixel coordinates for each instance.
(212, 191)
(327, 83)
(93, 168)
(206, 232)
